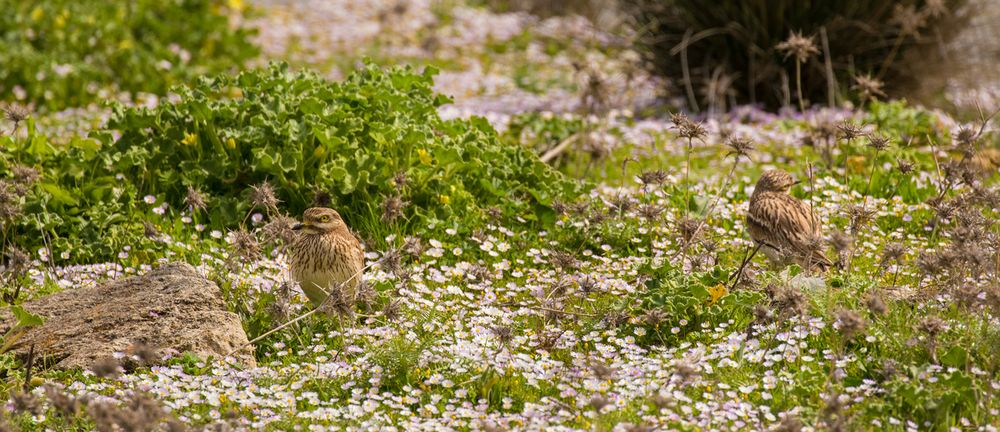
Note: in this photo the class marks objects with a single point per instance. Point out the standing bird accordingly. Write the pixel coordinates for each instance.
(327, 259)
(784, 227)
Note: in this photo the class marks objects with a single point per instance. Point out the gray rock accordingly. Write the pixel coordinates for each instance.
(169, 308)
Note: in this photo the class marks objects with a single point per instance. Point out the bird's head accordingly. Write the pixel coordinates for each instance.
(320, 220)
(775, 181)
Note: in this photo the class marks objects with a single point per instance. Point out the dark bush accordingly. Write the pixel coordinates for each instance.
(731, 53)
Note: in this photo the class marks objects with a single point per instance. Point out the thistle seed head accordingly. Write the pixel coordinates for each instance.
(687, 128)
(656, 177)
(195, 200)
(878, 142)
(740, 147)
(799, 46)
(262, 195)
(245, 245)
(849, 323)
(869, 87)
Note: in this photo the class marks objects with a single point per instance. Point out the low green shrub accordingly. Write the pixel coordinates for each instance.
(674, 305)
(59, 53)
(373, 145)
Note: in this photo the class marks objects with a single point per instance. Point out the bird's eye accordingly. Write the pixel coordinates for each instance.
(324, 218)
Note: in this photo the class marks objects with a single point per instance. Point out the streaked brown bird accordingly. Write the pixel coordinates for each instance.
(326, 256)
(784, 227)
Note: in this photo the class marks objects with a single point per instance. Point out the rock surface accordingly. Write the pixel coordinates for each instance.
(169, 308)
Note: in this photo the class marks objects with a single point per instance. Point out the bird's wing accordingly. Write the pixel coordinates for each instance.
(783, 222)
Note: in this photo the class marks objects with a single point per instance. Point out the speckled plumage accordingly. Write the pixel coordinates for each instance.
(785, 228)
(325, 255)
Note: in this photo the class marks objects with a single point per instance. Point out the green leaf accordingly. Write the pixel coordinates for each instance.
(25, 318)
(60, 195)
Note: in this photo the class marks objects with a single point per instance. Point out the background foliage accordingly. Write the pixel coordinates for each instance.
(61, 53)
(732, 57)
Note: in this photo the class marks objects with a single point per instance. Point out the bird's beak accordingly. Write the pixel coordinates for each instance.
(298, 226)
(796, 182)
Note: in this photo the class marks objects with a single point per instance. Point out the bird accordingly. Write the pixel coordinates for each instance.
(326, 258)
(783, 226)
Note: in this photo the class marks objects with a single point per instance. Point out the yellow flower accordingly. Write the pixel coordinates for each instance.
(190, 139)
(60, 20)
(425, 158)
(125, 44)
(444, 199)
(856, 164)
(717, 292)
(231, 143)
(319, 151)
(37, 13)
(236, 5)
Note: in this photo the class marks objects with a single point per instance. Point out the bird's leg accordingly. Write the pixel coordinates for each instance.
(746, 260)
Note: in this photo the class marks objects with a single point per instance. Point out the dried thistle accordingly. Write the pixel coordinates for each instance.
(278, 229)
(17, 260)
(763, 314)
(656, 177)
(495, 213)
(869, 87)
(64, 403)
(145, 353)
(392, 208)
(245, 245)
(413, 246)
(799, 46)
(661, 401)
(740, 147)
(195, 200)
(935, 8)
(789, 300)
(621, 204)
(150, 231)
(16, 113)
(653, 317)
(687, 369)
(615, 318)
(932, 326)
(337, 304)
(689, 229)
(26, 403)
(598, 402)
(892, 252)
(686, 128)
(859, 217)
(841, 242)
(321, 198)
(876, 305)
(904, 167)
(392, 261)
(908, 19)
(878, 142)
(262, 195)
(392, 310)
(789, 423)
(503, 333)
(849, 323)
(25, 175)
(106, 367)
(399, 181)
(564, 261)
(849, 131)
(650, 211)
